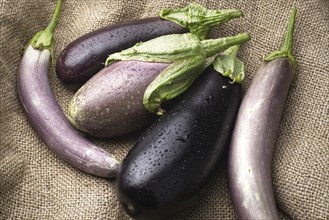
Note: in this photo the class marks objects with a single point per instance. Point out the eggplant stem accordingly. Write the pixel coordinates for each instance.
(213, 46)
(54, 19)
(44, 39)
(286, 50)
(198, 19)
(288, 42)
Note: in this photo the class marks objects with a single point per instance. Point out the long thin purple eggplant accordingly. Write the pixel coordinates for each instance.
(255, 133)
(46, 116)
(85, 56)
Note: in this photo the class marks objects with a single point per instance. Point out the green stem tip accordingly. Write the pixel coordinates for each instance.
(214, 46)
(286, 50)
(44, 39)
(54, 19)
(289, 35)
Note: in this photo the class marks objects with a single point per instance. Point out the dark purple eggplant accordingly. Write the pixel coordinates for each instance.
(178, 154)
(255, 133)
(85, 56)
(46, 116)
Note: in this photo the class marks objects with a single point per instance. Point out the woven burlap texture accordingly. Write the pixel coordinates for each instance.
(36, 184)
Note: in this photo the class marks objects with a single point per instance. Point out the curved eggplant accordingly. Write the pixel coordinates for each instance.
(46, 116)
(85, 56)
(255, 133)
(177, 155)
(252, 144)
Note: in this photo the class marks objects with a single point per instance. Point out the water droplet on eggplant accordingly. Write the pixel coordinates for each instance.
(179, 138)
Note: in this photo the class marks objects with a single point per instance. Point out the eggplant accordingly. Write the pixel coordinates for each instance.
(177, 155)
(46, 116)
(112, 103)
(85, 56)
(255, 133)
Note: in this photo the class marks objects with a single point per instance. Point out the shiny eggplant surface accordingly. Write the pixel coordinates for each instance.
(178, 154)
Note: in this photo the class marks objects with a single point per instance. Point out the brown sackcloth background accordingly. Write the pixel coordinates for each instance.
(35, 184)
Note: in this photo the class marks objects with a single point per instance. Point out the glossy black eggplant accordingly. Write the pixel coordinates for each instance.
(177, 155)
(86, 55)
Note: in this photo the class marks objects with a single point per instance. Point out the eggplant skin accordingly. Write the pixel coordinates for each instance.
(177, 155)
(111, 103)
(253, 140)
(85, 56)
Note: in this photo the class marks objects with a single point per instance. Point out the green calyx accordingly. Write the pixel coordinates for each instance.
(44, 39)
(214, 46)
(229, 65)
(173, 81)
(286, 50)
(199, 19)
(166, 49)
(170, 48)
(187, 56)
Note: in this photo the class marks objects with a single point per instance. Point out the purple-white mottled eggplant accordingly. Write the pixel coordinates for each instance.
(178, 154)
(255, 133)
(46, 116)
(111, 103)
(118, 99)
(85, 56)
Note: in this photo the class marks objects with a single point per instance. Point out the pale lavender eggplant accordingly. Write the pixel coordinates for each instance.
(51, 124)
(117, 91)
(253, 140)
(255, 132)
(46, 116)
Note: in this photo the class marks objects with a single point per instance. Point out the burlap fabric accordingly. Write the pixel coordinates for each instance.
(36, 184)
